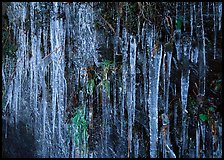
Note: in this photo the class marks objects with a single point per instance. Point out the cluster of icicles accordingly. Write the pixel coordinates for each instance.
(38, 91)
(37, 94)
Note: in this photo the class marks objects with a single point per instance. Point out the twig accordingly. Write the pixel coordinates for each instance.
(109, 25)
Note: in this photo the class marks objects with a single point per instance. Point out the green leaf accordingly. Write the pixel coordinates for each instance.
(76, 138)
(216, 88)
(76, 119)
(90, 86)
(178, 23)
(106, 63)
(80, 125)
(203, 117)
(211, 108)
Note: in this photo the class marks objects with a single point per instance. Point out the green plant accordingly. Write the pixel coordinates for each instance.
(103, 77)
(80, 125)
(90, 86)
(178, 23)
(193, 106)
(203, 117)
(106, 63)
(212, 102)
(106, 83)
(216, 86)
(211, 108)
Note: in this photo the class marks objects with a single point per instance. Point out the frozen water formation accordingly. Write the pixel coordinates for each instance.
(44, 38)
(80, 97)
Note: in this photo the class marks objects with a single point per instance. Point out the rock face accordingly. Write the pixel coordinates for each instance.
(19, 142)
(111, 80)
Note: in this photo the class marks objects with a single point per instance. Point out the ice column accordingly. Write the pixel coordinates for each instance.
(201, 56)
(124, 75)
(184, 86)
(154, 72)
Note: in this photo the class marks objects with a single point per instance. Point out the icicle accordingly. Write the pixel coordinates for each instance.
(218, 152)
(167, 68)
(191, 18)
(154, 71)
(138, 29)
(9, 102)
(184, 17)
(54, 69)
(136, 145)
(133, 47)
(124, 75)
(184, 94)
(44, 104)
(105, 117)
(220, 15)
(37, 70)
(208, 5)
(3, 77)
(170, 152)
(44, 88)
(177, 32)
(197, 147)
(203, 131)
(201, 47)
(163, 79)
(62, 84)
(107, 42)
(194, 53)
(164, 134)
(16, 13)
(131, 92)
(126, 12)
(114, 76)
(214, 28)
(175, 122)
(130, 116)
(15, 96)
(168, 77)
(166, 80)
(33, 63)
(144, 67)
(177, 39)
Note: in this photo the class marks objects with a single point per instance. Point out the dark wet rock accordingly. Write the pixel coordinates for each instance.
(19, 142)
